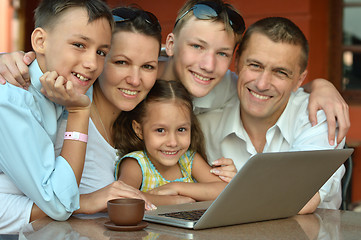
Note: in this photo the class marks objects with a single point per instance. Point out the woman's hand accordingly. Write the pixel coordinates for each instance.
(224, 168)
(97, 201)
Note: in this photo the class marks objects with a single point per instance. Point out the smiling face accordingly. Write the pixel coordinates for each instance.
(74, 48)
(130, 69)
(268, 73)
(166, 132)
(202, 52)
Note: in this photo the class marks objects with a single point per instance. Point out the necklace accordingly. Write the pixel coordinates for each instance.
(101, 122)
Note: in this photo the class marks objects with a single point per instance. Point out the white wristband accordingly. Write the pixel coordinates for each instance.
(76, 136)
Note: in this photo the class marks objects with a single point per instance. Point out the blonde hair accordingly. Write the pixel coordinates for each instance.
(185, 13)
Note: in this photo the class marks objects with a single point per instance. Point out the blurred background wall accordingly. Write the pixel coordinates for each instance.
(331, 26)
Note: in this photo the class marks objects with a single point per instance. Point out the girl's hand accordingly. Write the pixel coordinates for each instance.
(97, 201)
(61, 91)
(326, 97)
(14, 68)
(224, 168)
(167, 189)
(168, 194)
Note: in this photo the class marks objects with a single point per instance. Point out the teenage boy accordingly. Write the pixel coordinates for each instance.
(70, 40)
(271, 114)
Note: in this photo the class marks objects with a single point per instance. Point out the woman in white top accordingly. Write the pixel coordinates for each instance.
(129, 73)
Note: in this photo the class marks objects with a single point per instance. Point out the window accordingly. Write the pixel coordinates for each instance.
(345, 70)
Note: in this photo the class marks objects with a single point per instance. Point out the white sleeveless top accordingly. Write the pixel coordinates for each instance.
(100, 159)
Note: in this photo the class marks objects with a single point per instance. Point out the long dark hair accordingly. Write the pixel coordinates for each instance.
(126, 140)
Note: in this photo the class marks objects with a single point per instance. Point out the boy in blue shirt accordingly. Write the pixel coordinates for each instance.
(70, 40)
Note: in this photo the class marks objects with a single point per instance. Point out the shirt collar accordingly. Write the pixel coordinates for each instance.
(231, 122)
(283, 123)
(214, 99)
(35, 74)
(203, 102)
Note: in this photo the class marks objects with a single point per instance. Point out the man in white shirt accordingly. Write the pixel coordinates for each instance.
(271, 114)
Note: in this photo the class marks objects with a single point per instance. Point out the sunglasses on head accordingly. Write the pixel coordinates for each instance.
(209, 10)
(126, 14)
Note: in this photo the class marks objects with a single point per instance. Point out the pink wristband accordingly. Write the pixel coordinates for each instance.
(76, 136)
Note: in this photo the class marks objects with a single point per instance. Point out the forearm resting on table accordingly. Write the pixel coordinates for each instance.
(312, 204)
(36, 213)
(90, 204)
(200, 191)
(160, 200)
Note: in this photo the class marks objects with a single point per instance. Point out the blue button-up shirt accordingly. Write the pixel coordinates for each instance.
(28, 126)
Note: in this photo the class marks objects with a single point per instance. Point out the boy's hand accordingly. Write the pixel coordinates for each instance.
(14, 68)
(224, 168)
(326, 97)
(61, 91)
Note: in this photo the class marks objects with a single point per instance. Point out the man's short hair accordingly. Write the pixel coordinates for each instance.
(48, 11)
(279, 30)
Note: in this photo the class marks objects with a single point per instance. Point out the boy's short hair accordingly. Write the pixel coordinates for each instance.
(48, 11)
(279, 30)
(186, 12)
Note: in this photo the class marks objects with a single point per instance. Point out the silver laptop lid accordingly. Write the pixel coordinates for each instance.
(269, 186)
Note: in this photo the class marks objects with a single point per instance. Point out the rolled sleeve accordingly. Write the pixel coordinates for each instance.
(331, 191)
(316, 138)
(63, 185)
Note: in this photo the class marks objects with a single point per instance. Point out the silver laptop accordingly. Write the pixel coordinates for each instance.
(269, 186)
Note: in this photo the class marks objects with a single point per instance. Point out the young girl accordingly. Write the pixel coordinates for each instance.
(165, 146)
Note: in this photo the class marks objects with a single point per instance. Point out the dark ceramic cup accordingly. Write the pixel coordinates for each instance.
(126, 211)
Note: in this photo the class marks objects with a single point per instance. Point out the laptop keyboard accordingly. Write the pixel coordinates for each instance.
(193, 215)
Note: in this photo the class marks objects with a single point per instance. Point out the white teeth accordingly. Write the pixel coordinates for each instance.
(81, 78)
(201, 77)
(128, 92)
(259, 96)
(169, 153)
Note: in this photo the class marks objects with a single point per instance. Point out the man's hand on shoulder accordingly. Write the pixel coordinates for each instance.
(14, 68)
